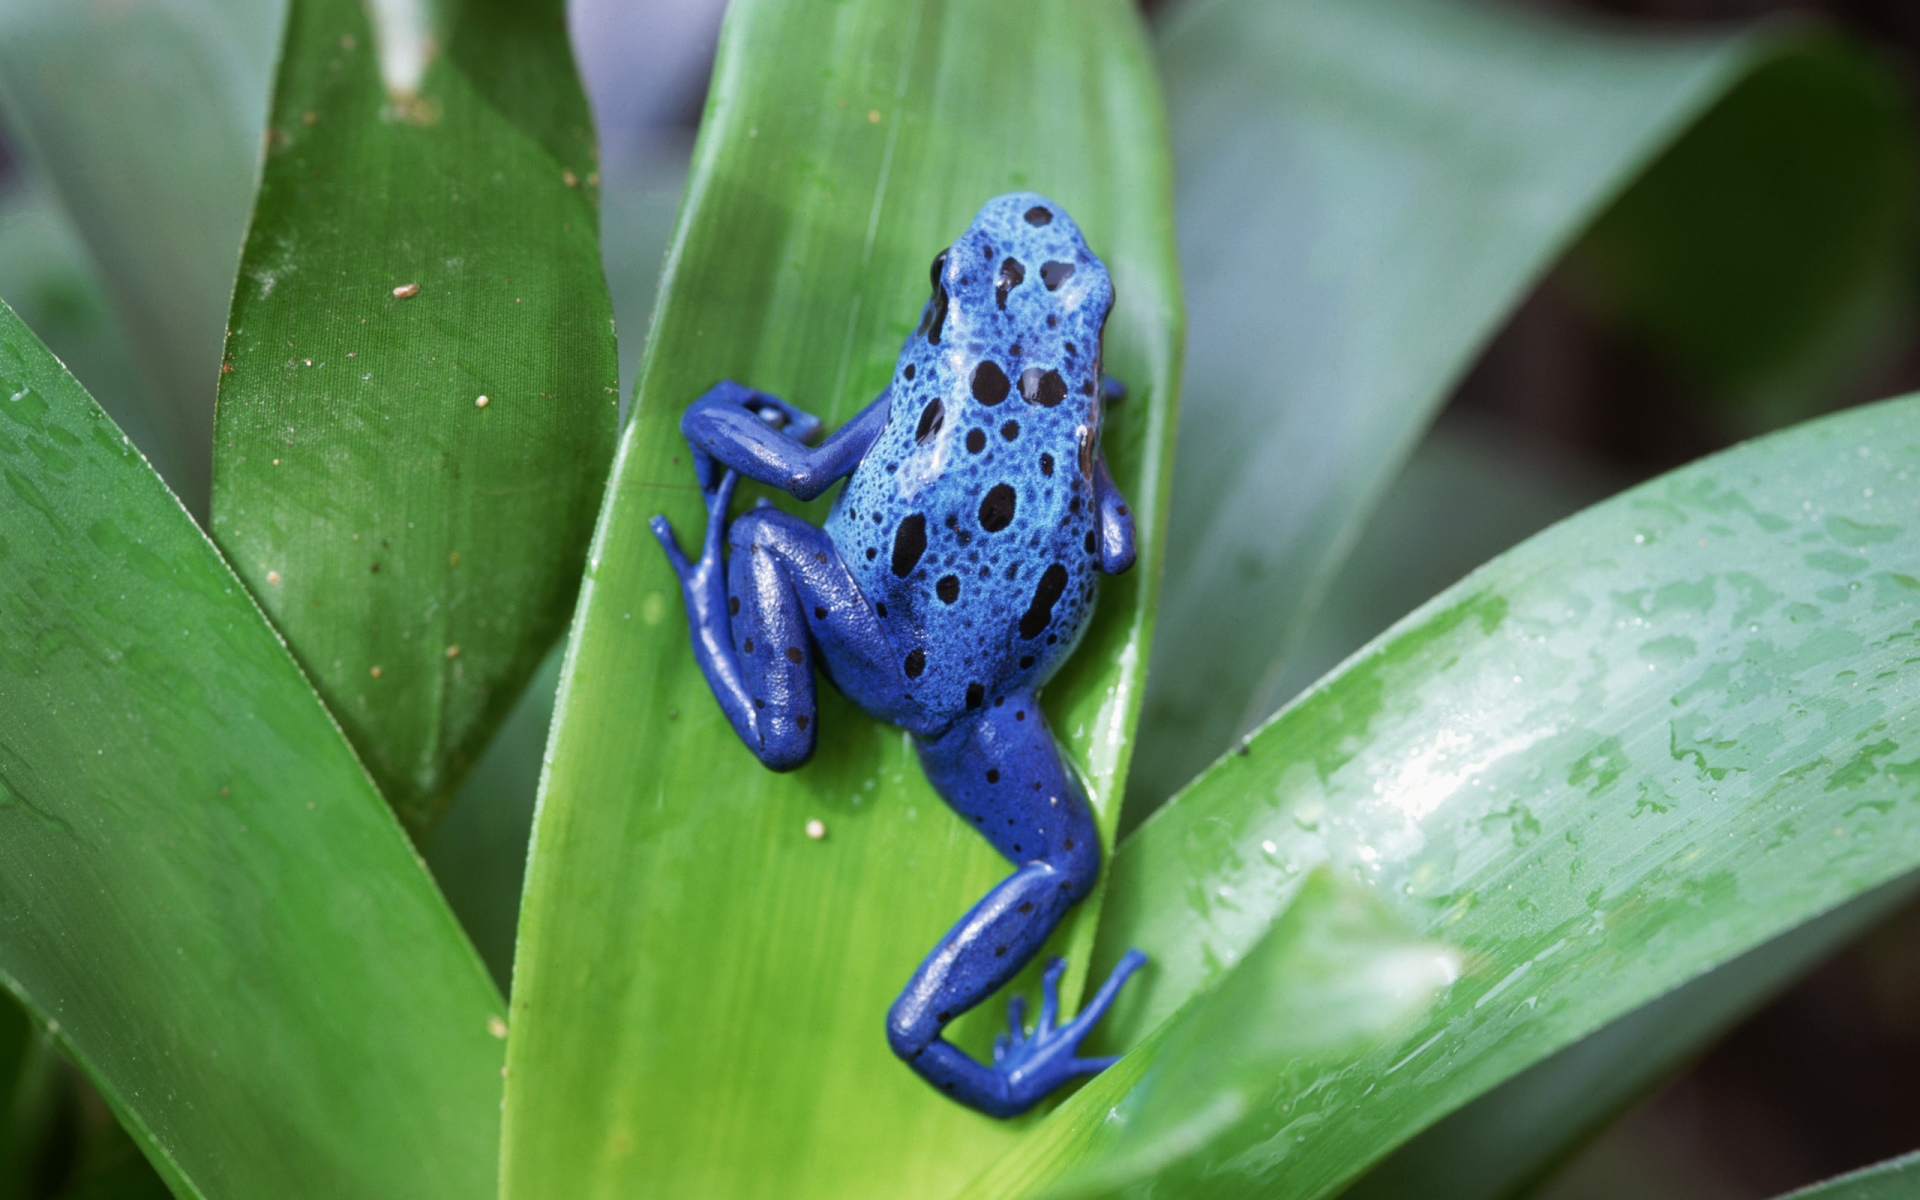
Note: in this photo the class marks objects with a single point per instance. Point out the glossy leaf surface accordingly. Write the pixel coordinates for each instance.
(1368, 188)
(1642, 743)
(145, 116)
(417, 405)
(1519, 1131)
(1336, 975)
(200, 891)
(700, 989)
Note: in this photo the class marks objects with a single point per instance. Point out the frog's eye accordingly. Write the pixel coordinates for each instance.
(936, 316)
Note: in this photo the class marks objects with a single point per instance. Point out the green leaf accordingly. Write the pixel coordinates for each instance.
(424, 239)
(478, 854)
(700, 989)
(1368, 188)
(1519, 1131)
(201, 893)
(1335, 975)
(1642, 743)
(145, 115)
(1895, 1179)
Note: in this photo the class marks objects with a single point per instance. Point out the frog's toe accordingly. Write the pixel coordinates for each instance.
(676, 557)
(1050, 994)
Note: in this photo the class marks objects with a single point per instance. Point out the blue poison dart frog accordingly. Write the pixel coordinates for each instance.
(954, 576)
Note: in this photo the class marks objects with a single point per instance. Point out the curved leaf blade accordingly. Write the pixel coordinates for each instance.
(1647, 740)
(425, 236)
(1336, 974)
(1367, 190)
(200, 890)
(671, 887)
(1518, 1132)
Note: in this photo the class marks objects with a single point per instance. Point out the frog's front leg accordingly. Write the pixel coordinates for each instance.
(763, 437)
(1115, 518)
(1000, 770)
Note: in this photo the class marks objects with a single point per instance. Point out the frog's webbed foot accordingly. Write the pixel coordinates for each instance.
(1035, 1063)
(1112, 391)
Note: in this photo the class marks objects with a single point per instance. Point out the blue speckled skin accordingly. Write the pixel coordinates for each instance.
(956, 572)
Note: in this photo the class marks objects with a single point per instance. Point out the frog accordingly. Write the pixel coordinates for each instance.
(955, 572)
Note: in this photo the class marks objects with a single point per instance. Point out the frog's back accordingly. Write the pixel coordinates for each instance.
(970, 525)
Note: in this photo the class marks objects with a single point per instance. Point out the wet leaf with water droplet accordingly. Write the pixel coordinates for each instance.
(1592, 836)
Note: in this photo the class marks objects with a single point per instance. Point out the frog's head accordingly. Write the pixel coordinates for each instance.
(1021, 287)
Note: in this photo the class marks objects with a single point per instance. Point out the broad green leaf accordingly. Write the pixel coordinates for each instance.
(146, 116)
(1335, 975)
(1895, 1179)
(1368, 188)
(417, 406)
(201, 894)
(1522, 1129)
(1642, 743)
(700, 989)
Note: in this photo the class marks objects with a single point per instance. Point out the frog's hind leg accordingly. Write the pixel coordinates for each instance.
(751, 634)
(1000, 770)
